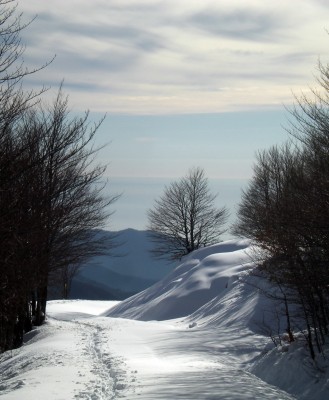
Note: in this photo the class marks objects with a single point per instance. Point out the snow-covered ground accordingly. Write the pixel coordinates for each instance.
(196, 334)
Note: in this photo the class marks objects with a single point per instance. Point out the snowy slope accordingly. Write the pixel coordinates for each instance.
(214, 290)
(202, 276)
(194, 335)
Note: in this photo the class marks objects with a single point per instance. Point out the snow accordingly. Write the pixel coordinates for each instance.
(196, 334)
(192, 284)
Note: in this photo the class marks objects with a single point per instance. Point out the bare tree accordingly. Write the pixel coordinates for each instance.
(51, 201)
(284, 211)
(13, 165)
(65, 192)
(185, 217)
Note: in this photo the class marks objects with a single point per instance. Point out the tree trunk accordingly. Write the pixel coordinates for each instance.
(41, 305)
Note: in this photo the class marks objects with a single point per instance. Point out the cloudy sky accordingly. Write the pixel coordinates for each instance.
(177, 56)
(183, 82)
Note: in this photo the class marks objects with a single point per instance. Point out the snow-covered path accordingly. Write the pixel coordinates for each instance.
(106, 358)
(79, 356)
(167, 361)
(197, 334)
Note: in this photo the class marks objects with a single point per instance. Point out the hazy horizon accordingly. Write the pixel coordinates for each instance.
(183, 84)
(138, 195)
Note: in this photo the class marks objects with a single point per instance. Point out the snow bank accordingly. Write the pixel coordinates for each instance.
(210, 342)
(213, 291)
(202, 276)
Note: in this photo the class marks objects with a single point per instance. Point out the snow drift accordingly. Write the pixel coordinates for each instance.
(204, 274)
(214, 289)
(196, 334)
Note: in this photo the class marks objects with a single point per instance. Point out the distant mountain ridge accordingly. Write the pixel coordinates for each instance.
(111, 277)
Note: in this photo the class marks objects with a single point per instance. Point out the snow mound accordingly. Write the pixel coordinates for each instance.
(213, 346)
(204, 275)
(215, 294)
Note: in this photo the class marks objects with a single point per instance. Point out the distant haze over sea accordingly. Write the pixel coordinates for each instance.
(138, 195)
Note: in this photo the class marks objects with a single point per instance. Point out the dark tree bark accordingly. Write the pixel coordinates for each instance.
(51, 198)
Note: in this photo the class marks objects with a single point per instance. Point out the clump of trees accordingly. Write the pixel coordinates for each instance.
(285, 211)
(50, 191)
(185, 217)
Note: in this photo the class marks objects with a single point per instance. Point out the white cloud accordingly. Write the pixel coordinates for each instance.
(176, 57)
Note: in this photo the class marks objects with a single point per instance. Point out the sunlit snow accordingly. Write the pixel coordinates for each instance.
(196, 334)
